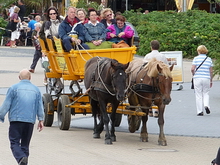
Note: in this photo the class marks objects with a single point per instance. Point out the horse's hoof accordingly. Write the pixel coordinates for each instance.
(144, 139)
(162, 143)
(96, 135)
(108, 141)
(113, 138)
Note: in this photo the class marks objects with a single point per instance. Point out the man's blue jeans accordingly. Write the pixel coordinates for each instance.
(67, 43)
(20, 134)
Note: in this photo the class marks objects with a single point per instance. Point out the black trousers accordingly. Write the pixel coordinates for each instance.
(37, 56)
(20, 134)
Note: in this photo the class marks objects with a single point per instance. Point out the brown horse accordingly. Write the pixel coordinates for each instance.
(106, 80)
(151, 84)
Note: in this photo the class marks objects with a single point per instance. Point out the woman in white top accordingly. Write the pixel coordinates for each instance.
(52, 23)
(202, 78)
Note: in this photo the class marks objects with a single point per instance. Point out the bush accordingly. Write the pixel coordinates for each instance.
(3, 24)
(86, 6)
(183, 31)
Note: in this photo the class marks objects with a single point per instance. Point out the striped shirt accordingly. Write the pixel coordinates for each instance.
(204, 69)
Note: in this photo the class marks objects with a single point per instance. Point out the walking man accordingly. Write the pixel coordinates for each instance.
(23, 103)
(155, 45)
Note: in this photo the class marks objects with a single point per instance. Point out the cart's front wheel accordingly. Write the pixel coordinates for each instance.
(64, 113)
(48, 109)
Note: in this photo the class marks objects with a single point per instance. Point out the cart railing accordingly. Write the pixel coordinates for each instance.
(70, 65)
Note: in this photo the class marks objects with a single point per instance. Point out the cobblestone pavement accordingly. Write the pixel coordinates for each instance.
(191, 140)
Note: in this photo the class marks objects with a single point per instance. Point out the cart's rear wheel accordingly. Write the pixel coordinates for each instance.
(64, 113)
(118, 118)
(48, 109)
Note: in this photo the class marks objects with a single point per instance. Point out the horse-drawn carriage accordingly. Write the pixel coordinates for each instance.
(71, 66)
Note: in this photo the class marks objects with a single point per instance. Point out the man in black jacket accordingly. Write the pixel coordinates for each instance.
(22, 11)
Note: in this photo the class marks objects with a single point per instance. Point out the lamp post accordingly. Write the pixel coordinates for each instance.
(184, 6)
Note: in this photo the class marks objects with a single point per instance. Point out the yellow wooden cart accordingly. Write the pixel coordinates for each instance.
(70, 66)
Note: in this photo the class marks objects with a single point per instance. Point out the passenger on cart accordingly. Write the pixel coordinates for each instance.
(96, 36)
(49, 30)
(72, 31)
(120, 33)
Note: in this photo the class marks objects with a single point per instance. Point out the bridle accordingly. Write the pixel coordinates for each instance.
(155, 88)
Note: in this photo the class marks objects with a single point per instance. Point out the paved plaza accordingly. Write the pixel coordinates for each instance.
(191, 140)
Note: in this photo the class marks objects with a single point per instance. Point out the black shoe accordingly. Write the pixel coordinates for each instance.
(207, 110)
(23, 161)
(200, 114)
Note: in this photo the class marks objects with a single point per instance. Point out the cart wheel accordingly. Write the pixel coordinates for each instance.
(118, 118)
(48, 109)
(134, 123)
(64, 113)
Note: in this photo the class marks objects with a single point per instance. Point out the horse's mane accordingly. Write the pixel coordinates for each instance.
(152, 71)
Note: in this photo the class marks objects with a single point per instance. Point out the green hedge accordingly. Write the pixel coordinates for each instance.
(3, 24)
(183, 31)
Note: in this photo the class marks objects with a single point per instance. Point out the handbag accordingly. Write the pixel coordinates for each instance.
(121, 44)
(12, 25)
(192, 84)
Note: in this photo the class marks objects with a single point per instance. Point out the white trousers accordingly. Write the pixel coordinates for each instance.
(15, 35)
(202, 88)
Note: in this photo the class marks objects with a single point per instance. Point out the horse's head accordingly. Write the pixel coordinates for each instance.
(119, 79)
(165, 82)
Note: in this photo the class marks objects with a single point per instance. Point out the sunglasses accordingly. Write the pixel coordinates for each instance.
(52, 13)
(108, 15)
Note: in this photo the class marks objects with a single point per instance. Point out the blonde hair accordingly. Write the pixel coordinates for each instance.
(202, 49)
(71, 7)
(104, 11)
(16, 10)
(81, 9)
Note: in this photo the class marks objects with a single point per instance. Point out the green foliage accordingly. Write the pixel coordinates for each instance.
(83, 4)
(183, 31)
(3, 24)
(214, 1)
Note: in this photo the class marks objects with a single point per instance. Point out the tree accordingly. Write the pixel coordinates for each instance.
(38, 4)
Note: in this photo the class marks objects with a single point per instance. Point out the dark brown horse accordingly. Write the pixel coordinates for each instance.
(151, 84)
(106, 80)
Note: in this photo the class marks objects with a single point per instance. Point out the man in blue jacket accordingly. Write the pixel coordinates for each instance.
(23, 103)
(70, 27)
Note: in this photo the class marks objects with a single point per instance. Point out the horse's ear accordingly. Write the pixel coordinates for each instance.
(126, 65)
(171, 68)
(114, 63)
(159, 68)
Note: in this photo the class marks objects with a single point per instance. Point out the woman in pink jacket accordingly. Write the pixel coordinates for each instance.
(119, 31)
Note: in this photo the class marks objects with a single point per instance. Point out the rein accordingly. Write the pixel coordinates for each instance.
(143, 87)
(99, 77)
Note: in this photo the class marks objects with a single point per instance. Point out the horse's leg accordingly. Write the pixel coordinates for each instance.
(144, 134)
(113, 114)
(105, 117)
(95, 109)
(162, 140)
